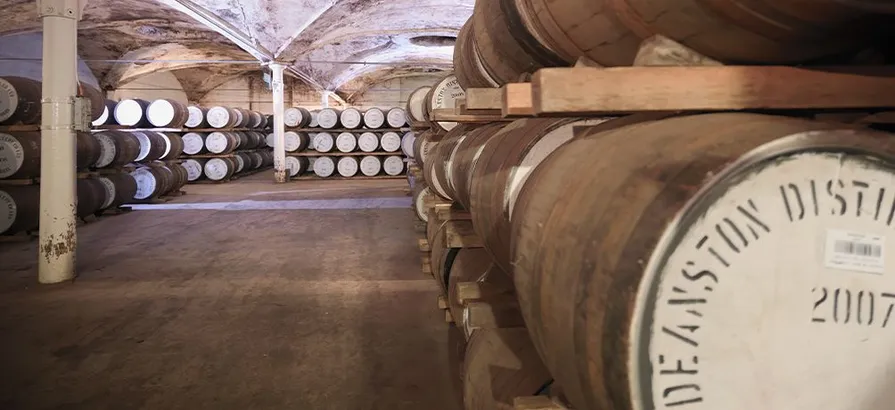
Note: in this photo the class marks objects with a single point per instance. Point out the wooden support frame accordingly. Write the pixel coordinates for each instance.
(497, 314)
(517, 100)
(484, 98)
(450, 115)
(460, 234)
(536, 403)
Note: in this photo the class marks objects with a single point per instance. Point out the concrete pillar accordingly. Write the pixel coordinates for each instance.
(58, 235)
(279, 128)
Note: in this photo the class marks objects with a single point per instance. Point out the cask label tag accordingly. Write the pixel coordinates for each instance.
(7, 211)
(107, 150)
(12, 155)
(763, 293)
(9, 100)
(111, 193)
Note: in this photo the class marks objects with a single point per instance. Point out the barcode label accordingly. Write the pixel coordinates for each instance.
(855, 251)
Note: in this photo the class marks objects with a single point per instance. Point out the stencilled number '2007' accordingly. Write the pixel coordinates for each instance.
(846, 306)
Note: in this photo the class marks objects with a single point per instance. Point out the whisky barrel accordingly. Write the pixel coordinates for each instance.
(19, 208)
(347, 166)
(297, 166)
(106, 117)
(469, 265)
(500, 365)
(442, 257)
(368, 142)
(644, 271)
(467, 64)
(152, 182)
(393, 165)
(181, 176)
(243, 162)
(87, 149)
(152, 145)
(370, 166)
(117, 148)
(120, 188)
(219, 169)
(95, 96)
(173, 146)
(167, 113)
(253, 160)
(243, 117)
(443, 96)
(351, 118)
(396, 117)
(328, 118)
(20, 153)
(390, 141)
(296, 141)
(195, 168)
(407, 143)
(194, 143)
(466, 158)
(257, 120)
(346, 142)
(222, 142)
(374, 118)
(324, 167)
(267, 158)
(19, 100)
(421, 197)
(423, 145)
(314, 121)
(502, 167)
(221, 117)
(196, 118)
(132, 113)
(434, 171)
(296, 117)
(416, 105)
(258, 139)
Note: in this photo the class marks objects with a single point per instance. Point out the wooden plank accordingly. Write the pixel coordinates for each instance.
(516, 100)
(442, 302)
(484, 99)
(448, 318)
(620, 90)
(19, 128)
(472, 291)
(451, 213)
(424, 245)
(342, 154)
(886, 117)
(427, 269)
(460, 234)
(449, 115)
(500, 314)
(536, 403)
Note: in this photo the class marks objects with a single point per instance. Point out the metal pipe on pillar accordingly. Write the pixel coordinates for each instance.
(58, 236)
(279, 128)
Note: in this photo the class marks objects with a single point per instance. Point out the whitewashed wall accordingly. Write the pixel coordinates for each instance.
(27, 50)
(151, 87)
(392, 93)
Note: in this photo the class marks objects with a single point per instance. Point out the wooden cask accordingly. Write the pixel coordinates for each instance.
(467, 64)
(346, 142)
(106, 117)
(132, 113)
(195, 168)
(197, 117)
(296, 117)
(710, 260)
(324, 167)
(500, 365)
(220, 117)
(167, 113)
(19, 100)
(407, 143)
(374, 118)
(423, 145)
(435, 171)
(194, 143)
(370, 166)
(257, 120)
(20, 153)
(368, 142)
(117, 148)
(297, 166)
(396, 117)
(152, 145)
(443, 96)
(19, 208)
(296, 141)
(87, 149)
(389, 142)
(469, 265)
(314, 119)
(416, 105)
(95, 96)
(119, 188)
(173, 146)
(328, 118)
(152, 182)
(347, 166)
(421, 197)
(351, 118)
(393, 165)
(468, 152)
(219, 169)
(222, 142)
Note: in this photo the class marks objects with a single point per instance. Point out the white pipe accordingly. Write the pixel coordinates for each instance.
(279, 128)
(58, 234)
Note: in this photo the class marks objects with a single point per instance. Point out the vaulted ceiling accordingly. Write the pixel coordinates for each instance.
(330, 44)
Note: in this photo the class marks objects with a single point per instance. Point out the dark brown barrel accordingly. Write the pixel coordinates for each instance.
(416, 105)
(19, 100)
(467, 66)
(266, 158)
(222, 142)
(181, 177)
(731, 31)
(296, 117)
(120, 188)
(466, 158)
(876, 6)
(88, 150)
(469, 265)
(19, 208)
(132, 113)
(20, 153)
(97, 99)
(436, 174)
(117, 148)
(195, 168)
(167, 113)
(152, 145)
(196, 117)
(714, 214)
(424, 145)
(152, 182)
(173, 146)
(106, 117)
(501, 168)
(91, 196)
(500, 365)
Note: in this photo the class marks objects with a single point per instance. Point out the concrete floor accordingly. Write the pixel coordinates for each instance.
(241, 309)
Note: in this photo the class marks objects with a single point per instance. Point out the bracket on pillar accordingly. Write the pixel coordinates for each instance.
(72, 9)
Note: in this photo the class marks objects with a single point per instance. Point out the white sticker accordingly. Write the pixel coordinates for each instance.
(351, 118)
(9, 100)
(390, 142)
(368, 142)
(145, 183)
(324, 166)
(393, 165)
(855, 251)
(111, 192)
(324, 142)
(107, 150)
(397, 118)
(12, 155)
(327, 118)
(193, 143)
(374, 118)
(370, 166)
(145, 145)
(8, 211)
(193, 169)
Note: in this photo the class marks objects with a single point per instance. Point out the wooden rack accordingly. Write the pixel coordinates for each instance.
(405, 129)
(19, 128)
(345, 154)
(341, 178)
(123, 128)
(230, 155)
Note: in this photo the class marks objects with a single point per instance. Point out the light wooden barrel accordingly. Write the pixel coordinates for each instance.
(117, 148)
(19, 100)
(346, 142)
(296, 141)
(196, 117)
(351, 118)
(314, 122)
(502, 167)
(296, 117)
(195, 168)
(222, 142)
(20, 153)
(396, 117)
(435, 171)
(106, 117)
(297, 166)
(152, 145)
(194, 143)
(219, 169)
(466, 158)
(443, 96)
(368, 142)
(19, 208)
(423, 145)
(347, 166)
(467, 64)
(152, 181)
(416, 105)
(421, 196)
(374, 118)
(393, 165)
(370, 165)
(390, 142)
(167, 113)
(132, 113)
(407, 143)
(469, 265)
(328, 118)
(173, 146)
(120, 188)
(500, 365)
(787, 31)
(652, 269)
(324, 167)
(221, 117)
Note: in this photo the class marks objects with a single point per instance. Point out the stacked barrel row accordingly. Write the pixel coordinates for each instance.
(20, 100)
(349, 118)
(168, 113)
(671, 259)
(505, 40)
(221, 155)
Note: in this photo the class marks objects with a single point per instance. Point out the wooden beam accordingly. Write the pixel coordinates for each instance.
(451, 213)
(449, 115)
(486, 291)
(483, 98)
(442, 302)
(536, 403)
(500, 314)
(424, 245)
(517, 100)
(622, 90)
(460, 234)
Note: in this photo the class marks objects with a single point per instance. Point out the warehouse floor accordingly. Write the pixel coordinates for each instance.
(250, 301)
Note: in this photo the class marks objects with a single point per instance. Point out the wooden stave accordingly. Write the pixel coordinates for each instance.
(27, 201)
(662, 138)
(464, 164)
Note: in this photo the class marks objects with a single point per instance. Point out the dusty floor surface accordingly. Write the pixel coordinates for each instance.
(231, 309)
